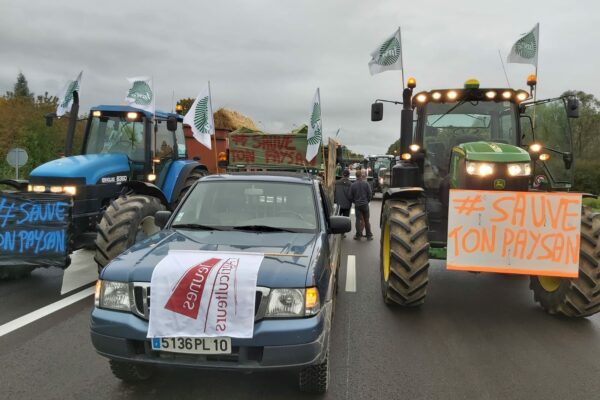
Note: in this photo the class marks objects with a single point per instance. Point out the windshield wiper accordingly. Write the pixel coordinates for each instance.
(262, 228)
(198, 227)
(448, 112)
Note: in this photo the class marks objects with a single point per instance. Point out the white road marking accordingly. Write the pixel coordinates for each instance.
(44, 311)
(351, 274)
(82, 271)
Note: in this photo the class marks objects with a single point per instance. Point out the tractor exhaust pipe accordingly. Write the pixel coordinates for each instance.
(72, 124)
(406, 121)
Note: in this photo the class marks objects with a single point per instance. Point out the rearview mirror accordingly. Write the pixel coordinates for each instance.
(161, 218)
(339, 224)
(172, 124)
(572, 107)
(376, 112)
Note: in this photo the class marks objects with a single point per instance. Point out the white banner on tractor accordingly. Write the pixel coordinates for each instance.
(530, 233)
(204, 294)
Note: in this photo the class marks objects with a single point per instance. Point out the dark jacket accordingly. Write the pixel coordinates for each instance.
(361, 192)
(342, 193)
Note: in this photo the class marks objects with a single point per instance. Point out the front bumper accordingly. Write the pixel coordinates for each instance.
(289, 343)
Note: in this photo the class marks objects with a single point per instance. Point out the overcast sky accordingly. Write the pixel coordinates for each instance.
(266, 58)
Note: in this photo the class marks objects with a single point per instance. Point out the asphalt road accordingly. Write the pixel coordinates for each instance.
(478, 336)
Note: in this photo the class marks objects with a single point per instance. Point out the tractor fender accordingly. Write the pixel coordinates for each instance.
(177, 174)
(147, 189)
(400, 193)
(183, 175)
(19, 184)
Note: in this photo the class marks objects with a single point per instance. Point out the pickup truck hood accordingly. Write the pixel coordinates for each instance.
(137, 264)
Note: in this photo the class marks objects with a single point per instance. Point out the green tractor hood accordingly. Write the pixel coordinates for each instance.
(493, 152)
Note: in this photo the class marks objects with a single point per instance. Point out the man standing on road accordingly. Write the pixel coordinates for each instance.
(342, 195)
(361, 196)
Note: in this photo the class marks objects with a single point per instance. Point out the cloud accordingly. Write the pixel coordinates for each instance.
(265, 58)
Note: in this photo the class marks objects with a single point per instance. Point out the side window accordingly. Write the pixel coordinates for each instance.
(181, 149)
(164, 146)
(327, 207)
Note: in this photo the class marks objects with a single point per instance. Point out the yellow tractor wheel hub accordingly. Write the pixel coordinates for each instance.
(549, 283)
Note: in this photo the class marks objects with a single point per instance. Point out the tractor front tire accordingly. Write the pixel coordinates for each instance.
(575, 297)
(189, 181)
(404, 252)
(128, 220)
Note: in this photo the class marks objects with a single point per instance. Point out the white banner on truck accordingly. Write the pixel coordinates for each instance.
(204, 294)
(530, 233)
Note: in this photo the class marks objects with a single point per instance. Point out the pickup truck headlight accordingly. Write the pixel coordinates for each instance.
(290, 303)
(112, 295)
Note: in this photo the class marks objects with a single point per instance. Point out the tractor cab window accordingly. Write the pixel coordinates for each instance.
(164, 150)
(447, 125)
(116, 134)
(181, 149)
(551, 129)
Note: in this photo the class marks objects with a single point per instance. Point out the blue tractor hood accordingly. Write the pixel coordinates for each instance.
(92, 167)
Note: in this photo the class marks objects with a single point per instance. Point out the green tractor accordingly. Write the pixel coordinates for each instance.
(494, 139)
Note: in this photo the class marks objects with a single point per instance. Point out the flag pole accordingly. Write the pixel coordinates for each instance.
(503, 68)
(401, 56)
(214, 129)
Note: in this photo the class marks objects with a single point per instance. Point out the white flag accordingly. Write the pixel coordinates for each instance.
(315, 128)
(65, 101)
(200, 118)
(525, 50)
(204, 294)
(141, 93)
(387, 56)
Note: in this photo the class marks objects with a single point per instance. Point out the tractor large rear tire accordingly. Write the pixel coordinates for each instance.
(128, 219)
(189, 181)
(404, 252)
(575, 297)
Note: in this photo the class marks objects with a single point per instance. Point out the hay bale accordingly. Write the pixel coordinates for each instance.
(231, 120)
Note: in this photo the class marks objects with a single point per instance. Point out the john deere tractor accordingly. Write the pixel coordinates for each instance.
(495, 139)
(132, 164)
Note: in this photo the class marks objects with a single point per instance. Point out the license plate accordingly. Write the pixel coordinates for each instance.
(190, 345)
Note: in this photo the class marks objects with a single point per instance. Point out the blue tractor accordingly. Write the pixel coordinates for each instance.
(133, 163)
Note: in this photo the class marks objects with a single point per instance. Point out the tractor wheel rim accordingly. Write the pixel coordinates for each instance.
(386, 252)
(549, 283)
(146, 229)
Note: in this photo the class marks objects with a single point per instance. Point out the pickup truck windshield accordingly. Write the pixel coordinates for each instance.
(249, 205)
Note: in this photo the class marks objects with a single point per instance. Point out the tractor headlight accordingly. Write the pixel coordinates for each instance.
(480, 168)
(290, 303)
(112, 295)
(520, 169)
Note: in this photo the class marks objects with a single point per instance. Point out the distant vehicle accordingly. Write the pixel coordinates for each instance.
(377, 166)
(291, 218)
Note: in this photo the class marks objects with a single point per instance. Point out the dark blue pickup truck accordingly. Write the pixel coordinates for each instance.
(289, 220)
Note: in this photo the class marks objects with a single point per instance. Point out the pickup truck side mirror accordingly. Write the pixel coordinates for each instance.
(161, 218)
(338, 224)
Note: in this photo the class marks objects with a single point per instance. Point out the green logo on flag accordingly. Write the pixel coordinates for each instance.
(73, 87)
(141, 93)
(389, 52)
(201, 120)
(526, 47)
(315, 120)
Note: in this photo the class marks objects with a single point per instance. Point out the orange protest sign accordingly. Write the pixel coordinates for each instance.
(531, 233)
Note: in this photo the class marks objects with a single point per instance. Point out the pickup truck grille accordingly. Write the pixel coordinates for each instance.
(140, 293)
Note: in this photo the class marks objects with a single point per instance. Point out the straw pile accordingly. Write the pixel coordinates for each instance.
(232, 120)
